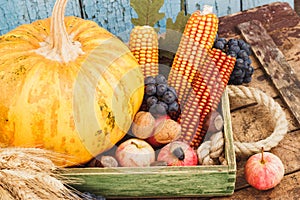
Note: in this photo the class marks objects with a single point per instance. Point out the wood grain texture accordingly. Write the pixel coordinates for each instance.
(15, 12)
(113, 15)
(220, 7)
(289, 188)
(288, 40)
(297, 6)
(274, 63)
(275, 16)
(254, 3)
(154, 182)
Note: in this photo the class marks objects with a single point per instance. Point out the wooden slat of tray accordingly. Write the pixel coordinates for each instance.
(274, 63)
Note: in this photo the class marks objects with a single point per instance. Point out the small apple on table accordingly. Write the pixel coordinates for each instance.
(264, 170)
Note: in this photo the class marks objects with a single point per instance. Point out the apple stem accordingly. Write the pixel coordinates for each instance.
(138, 146)
(262, 156)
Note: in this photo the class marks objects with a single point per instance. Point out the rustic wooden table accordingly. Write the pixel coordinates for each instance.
(252, 122)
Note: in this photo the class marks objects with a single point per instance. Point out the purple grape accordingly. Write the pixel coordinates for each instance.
(234, 48)
(246, 47)
(232, 54)
(150, 89)
(219, 45)
(247, 79)
(238, 73)
(151, 101)
(169, 97)
(239, 63)
(160, 79)
(232, 42)
(172, 89)
(243, 54)
(161, 89)
(173, 107)
(158, 109)
(241, 42)
(247, 61)
(164, 105)
(149, 80)
(222, 40)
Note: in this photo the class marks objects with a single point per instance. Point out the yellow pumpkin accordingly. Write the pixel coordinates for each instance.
(66, 85)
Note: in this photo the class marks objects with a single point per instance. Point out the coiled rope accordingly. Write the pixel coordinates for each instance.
(208, 150)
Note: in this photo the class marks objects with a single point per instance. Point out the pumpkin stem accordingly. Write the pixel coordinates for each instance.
(59, 46)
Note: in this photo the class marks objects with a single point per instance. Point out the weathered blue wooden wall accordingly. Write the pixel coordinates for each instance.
(114, 15)
(17, 12)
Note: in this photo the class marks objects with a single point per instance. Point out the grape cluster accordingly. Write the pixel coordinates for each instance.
(238, 48)
(160, 98)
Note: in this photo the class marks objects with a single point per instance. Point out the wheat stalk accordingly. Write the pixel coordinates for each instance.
(29, 173)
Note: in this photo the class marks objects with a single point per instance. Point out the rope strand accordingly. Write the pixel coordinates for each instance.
(213, 149)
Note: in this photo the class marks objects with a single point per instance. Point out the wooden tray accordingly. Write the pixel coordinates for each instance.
(213, 180)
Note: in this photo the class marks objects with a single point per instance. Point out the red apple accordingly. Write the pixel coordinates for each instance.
(178, 153)
(135, 153)
(264, 170)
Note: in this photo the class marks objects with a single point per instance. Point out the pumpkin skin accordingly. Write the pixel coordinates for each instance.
(79, 107)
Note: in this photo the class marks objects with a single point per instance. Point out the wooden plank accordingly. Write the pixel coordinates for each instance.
(254, 3)
(297, 6)
(274, 63)
(275, 16)
(221, 7)
(15, 12)
(115, 16)
(288, 41)
(288, 189)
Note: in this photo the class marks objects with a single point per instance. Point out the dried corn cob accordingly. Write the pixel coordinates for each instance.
(207, 88)
(219, 79)
(201, 78)
(223, 62)
(143, 44)
(208, 85)
(198, 37)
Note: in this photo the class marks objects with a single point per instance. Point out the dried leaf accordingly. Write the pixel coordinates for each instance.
(179, 23)
(169, 44)
(147, 11)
